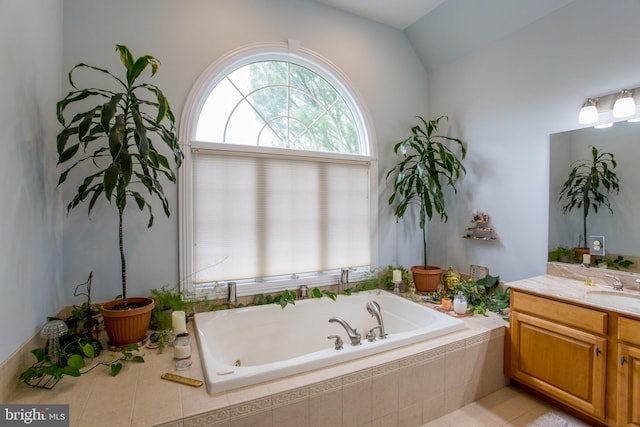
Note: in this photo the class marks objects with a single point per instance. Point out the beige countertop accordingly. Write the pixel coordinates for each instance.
(600, 296)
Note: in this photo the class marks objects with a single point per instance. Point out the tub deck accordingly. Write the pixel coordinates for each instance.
(416, 384)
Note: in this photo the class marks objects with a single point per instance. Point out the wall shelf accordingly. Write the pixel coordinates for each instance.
(481, 229)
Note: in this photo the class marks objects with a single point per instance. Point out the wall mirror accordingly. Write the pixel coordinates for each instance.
(620, 229)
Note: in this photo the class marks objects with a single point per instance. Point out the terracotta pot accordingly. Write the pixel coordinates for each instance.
(127, 326)
(426, 280)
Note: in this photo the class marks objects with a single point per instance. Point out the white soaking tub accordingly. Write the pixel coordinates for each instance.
(246, 346)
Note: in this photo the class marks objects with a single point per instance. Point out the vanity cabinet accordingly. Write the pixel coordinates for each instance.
(560, 350)
(628, 392)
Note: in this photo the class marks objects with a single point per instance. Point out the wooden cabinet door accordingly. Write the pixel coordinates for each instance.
(628, 385)
(567, 364)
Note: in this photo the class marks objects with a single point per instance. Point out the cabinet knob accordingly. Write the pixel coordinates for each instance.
(597, 351)
(622, 360)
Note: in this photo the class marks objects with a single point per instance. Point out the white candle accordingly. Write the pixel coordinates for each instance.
(178, 322)
(397, 276)
(586, 259)
(182, 352)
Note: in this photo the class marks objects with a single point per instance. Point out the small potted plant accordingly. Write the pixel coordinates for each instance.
(587, 187)
(115, 140)
(426, 167)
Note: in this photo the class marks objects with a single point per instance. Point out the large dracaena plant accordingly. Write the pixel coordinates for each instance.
(587, 186)
(115, 139)
(427, 165)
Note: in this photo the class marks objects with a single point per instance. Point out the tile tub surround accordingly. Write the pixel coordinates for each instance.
(407, 386)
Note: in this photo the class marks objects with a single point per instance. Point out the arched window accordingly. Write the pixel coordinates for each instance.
(277, 185)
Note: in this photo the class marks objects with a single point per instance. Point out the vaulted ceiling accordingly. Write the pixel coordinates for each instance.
(442, 31)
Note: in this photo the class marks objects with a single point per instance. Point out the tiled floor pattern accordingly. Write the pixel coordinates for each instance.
(508, 407)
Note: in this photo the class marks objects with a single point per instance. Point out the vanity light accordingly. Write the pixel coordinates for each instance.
(603, 125)
(624, 106)
(588, 112)
(634, 120)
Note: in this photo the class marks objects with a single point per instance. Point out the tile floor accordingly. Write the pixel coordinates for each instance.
(508, 407)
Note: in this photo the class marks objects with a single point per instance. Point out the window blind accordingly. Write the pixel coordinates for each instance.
(267, 216)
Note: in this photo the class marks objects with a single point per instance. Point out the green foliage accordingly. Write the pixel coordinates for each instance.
(559, 252)
(283, 298)
(618, 262)
(115, 137)
(382, 278)
(321, 121)
(587, 186)
(478, 294)
(427, 165)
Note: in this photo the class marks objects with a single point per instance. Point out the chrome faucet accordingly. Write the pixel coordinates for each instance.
(374, 310)
(617, 284)
(354, 336)
(231, 297)
(344, 280)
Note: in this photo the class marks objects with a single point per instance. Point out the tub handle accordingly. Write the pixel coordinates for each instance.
(338, 343)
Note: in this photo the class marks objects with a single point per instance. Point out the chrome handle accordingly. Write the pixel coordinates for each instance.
(338, 343)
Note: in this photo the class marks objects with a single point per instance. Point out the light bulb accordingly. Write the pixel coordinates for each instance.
(625, 106)
(588, 112)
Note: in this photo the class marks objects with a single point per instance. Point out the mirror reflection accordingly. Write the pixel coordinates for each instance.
(621, 230)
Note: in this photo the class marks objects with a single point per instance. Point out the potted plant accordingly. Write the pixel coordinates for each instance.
(115, 139)
(560, 254)
(587, 186)
(427, 165)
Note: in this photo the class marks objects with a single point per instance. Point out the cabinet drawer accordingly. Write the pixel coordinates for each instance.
(629, 330)
(583, 318)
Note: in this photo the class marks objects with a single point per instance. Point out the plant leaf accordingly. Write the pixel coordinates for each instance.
(115, 369)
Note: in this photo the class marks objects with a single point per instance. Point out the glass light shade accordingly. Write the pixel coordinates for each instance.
(625, 106)
(603, 125)
(588, 114)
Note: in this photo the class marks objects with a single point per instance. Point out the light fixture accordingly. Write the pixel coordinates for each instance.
(603, 125)
(624, 106)
(588, 112)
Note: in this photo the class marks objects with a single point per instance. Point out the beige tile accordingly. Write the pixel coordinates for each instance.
(436, 423)
(410, 416)
(433, 406)
(384, 391)
(256, 420)
(156, 403)
(455, 369)
(389, 420)
(293, 415)
(508, 403)
(410, 386)
(433, 376)
(197, 401)
(209, 419)
(326, 409)
(357, 406)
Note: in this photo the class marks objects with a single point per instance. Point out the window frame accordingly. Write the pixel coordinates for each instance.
(211, 76)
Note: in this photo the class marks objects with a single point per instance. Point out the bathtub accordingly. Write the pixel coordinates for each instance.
(251, 345)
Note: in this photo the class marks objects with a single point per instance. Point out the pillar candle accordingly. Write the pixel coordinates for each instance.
(178, 322)
(586, 259)
(397, 276)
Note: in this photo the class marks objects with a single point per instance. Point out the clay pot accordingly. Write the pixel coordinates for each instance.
(426, 280)
(128, 326)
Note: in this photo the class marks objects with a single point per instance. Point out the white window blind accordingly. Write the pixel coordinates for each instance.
(263, 216)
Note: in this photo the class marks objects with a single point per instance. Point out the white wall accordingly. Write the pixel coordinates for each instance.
(189, 35)
(30, 226)
(506, 99)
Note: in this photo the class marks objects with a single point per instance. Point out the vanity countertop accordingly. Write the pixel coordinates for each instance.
(601, 295)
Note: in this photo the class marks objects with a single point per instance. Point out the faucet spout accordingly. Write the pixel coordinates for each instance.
(354, 336)
(374, 310)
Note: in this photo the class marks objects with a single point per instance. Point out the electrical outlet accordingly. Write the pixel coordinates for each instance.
(596, 245)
